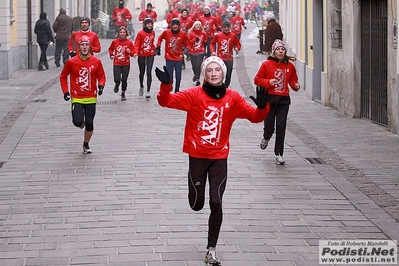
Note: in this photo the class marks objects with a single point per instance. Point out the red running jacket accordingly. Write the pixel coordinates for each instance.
(209, 121)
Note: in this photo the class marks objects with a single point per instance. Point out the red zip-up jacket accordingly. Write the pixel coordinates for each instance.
(209, 23)
(144, 44)
(120, 15)
(284, 72)
(236, 24)
(84, 75)
(185, 23)
(75, 37)
(209, 121)
(193, 46)
(145, 14)
(174, 44)
(118, 50)
(225, 44)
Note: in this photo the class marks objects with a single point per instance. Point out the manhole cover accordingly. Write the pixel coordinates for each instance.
(106, 103)
(39, 100)
(315, 160)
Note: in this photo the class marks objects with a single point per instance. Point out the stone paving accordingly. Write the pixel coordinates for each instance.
(126, 204)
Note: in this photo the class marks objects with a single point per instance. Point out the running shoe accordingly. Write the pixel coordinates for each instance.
(86, 149)
(123, 97)
(279, 160)
(211, 259)
(197, 83)
(141, 91)
(116, 88)
(263, 143)
(148, 96)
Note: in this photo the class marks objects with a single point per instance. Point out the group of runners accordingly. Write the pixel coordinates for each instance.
(211, 105)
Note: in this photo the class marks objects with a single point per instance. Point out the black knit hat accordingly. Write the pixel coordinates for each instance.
(85, 19)
(175, 21)
(148, 20)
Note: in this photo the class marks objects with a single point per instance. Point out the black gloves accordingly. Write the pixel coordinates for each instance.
(197, 39)
(72, 54)
(100, 89)
(163, 76)
(158, 50)
(261, 97)
(185, 51)
(218, 29)
(67, 96)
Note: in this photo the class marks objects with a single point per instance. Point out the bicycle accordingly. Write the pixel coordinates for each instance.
(130, 29)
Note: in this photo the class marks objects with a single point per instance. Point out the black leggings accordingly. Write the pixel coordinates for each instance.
(196, 61)
(43, 50)
(229, 66)
(83, 113)
(277, 115)
(143, 62)
(120, 74)
(216, 172)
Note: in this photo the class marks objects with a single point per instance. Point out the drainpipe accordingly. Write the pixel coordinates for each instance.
(30, 63)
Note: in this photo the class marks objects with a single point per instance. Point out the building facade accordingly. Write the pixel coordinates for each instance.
(18, 47)
(347, 55)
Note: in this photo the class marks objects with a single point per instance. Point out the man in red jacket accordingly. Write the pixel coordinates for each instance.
(84, 71)
(211, 26)
(84, 31)
(148, 13)
(226, 41)
(211, 112)
(120, 15)
(175, 40)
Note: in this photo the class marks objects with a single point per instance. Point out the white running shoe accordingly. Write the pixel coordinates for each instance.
(148, 95)
(279, 160)
(237, 55)
(263, 143)
(86, 149)
(211, 259)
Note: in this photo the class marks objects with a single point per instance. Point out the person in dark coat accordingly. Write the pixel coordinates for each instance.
(63, 27)
(272, 32)
(44, 37)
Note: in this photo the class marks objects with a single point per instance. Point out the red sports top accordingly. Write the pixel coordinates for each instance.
(236, 24)
(120, 15)
(174, 44)
(285, 73)
(118, 50)
(209, 121)
(83, 77)
(144, 44)
(75, 37)
(225, 44)
(193, 46)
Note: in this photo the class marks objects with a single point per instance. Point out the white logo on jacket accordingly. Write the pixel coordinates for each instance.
(279, 75)
(84, 79)
(211, 126)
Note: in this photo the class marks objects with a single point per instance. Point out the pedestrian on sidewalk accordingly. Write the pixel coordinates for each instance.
(44, 38)
(275, 75)
(85, 71)
(144, 49)
(63, 28)
(225, 42)
(272, 32)
(211, 112)
(120, 51)
(175, 40)
(73, 43)
(196, 47)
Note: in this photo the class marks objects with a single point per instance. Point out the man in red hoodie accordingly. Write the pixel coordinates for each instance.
(84, 71)
(84, 31)
(175, 40)
(120, 15)
(148, 13)
(225, 42)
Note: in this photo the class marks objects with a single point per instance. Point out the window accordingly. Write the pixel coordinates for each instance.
(12, 19)
(336, 25)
